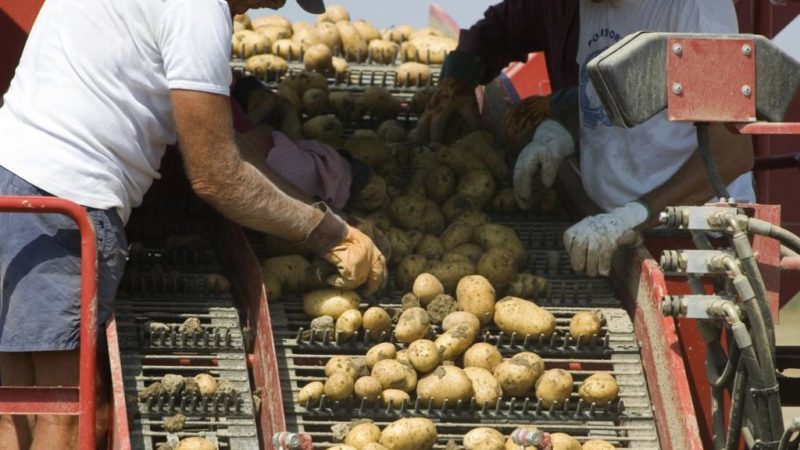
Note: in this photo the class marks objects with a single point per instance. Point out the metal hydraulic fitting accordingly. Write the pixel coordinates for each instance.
(711, 218)
(698, 262)
(525, 438)
(286, 441)
(697, 306)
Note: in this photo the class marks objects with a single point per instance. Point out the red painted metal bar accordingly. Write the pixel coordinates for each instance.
(766, 127)
(790, 263)
(88, 338)
(39, 400)
(120, 433)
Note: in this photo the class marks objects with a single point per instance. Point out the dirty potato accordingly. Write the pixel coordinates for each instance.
(554, 387)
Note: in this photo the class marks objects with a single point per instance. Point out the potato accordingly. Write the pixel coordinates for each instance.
(266, 66)
(474, 217)
(287, 49)
(329, 302)
(453, 257)
(517, 376)
(446, 384)
(413, 324)
(368, 388)
(459, 159)
(457, 233)
(339, 386)
(440, 184)
(413, 74)
(426, 288)
(341, 364)
(318, 58)
(483, 438)
(430, 247)
(528, 286)
(315, 102)
(367, 30)
(401, 244)
(311, 393)
(300, 25)
(562, 441)
(334, 13)
(362, 434)
(483, 355)
(424, 355)
(393, 374)
(585, 324)
(478, 184)
(487, 389)
(344, 106)
(238, 26)
(504, 202)
(417, 214)
(206, 383)
(303, 81)
(433, 49)
(273, 34)
(380, 352)
(554, 387)
(307, 38)
(472, 252)
(457, 318)
(597, 444)
(398, 34)
(499, 266)
(354, 46)
(455, 341)
(342, 447)
(440, 307)
(476, 295)
(329, 35)
(391, 131)
(246, 43)
(374, 446)
(272, 21)
(376, 322)
(272, 284)
(383, 52)
(424, 32)
(492, 235)
(523, 317)
(402, 357)
(395, 398)
(381, 220)
(244, 19)
(292, 271)
(409, 434)
(409, 268)
(449, 273)
(322, 128)
(600, 388)
(348, 324)
(195, 443)
(368, 148)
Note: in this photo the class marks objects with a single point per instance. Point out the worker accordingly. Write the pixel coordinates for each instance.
(629, 173)
(101, 89)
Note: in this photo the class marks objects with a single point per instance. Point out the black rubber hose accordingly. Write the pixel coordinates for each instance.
(718, 435)
(761, 422)
(764, 228)
(720, 189)
(737, 408)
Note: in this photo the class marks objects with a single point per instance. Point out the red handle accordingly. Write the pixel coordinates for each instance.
(88, 342)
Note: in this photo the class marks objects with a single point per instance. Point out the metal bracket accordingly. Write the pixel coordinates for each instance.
(691, 306)
(687, 262)
(699, 218)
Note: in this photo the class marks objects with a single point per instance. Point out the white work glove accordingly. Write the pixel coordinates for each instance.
(551, 144)
(592, 241)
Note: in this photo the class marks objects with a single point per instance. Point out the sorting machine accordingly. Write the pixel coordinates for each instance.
(186, 262)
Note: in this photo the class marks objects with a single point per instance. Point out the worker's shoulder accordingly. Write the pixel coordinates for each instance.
(703, 16)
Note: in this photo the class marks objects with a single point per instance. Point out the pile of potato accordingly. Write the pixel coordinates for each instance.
(177, 385)
(327, 46)
(403, 434)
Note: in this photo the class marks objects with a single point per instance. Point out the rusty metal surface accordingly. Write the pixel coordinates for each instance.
(711, 80)
(39, 400)
(119, 432)
(767, 128)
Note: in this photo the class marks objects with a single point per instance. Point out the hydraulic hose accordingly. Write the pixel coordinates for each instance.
(737, 408)
(786, 251)
(787, 435)
(720, 189)
(783, 235)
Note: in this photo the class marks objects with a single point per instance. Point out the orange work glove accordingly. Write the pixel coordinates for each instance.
(452, 98)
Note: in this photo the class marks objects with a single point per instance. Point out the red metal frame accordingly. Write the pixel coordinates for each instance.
(38, 400)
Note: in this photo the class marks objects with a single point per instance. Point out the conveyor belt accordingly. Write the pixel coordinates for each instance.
(627, 423)
(167, 281)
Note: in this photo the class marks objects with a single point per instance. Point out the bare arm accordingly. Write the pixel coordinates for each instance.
(253, 146)
(221, 177)
(690, 186)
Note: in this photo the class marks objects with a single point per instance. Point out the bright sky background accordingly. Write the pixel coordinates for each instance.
(385, 13)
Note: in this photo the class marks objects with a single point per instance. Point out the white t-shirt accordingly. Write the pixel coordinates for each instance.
(88, 114)
(619, 165)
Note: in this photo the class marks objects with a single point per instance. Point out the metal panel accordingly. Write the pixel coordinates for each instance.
(711, 80)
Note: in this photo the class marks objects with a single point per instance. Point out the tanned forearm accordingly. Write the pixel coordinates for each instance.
(253, 147)
(223, 179)
(690, 186)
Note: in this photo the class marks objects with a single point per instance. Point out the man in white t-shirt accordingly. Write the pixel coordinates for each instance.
(633, 173)
(103, 86)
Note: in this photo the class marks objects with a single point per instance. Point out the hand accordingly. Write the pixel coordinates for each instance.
(451, 98)
(592, 241)
(551, 144)
(358, 261)
(520, 122)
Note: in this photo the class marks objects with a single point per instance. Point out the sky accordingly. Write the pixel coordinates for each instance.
(384, 13)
